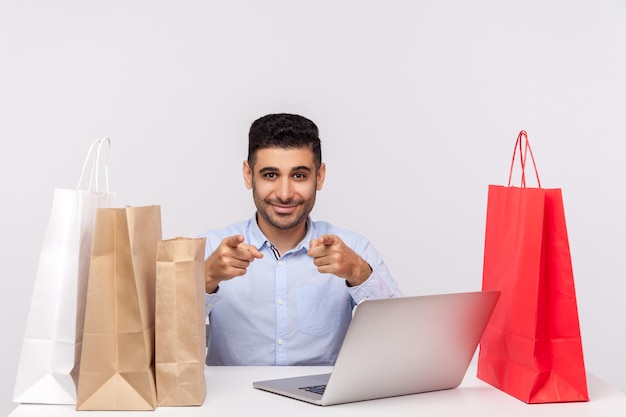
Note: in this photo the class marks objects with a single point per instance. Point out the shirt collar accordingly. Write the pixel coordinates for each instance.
(258, 239)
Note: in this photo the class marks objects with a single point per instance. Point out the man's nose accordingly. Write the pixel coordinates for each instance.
(285, 189)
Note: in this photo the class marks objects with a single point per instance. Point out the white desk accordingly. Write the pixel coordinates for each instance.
(230, 393)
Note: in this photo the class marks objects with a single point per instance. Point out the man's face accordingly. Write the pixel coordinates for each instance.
(284, 183)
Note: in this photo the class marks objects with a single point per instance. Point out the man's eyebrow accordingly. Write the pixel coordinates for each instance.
(265, 170)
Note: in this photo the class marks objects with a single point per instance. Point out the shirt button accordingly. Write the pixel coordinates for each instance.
(281, 263)
(280, 301)
(281, 341)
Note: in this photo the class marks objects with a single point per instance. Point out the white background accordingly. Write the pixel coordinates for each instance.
(418, 103)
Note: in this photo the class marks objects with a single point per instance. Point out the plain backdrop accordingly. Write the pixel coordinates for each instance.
(418, 103)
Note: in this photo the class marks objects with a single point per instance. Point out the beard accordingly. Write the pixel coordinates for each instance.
(284, 221)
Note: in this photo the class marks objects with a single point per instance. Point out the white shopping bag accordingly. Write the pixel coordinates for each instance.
(50, 356)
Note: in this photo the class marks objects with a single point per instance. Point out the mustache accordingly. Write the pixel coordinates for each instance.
(280, 202)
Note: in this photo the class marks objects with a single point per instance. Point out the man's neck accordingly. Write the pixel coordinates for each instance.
(283, 240)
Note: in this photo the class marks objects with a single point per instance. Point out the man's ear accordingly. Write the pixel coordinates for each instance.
(247, 175)
(321, 176)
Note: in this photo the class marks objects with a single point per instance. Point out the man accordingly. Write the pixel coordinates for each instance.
(281, 287)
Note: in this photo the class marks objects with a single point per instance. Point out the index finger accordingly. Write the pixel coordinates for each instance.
(251, 249)
(233, 241)
(327, 240)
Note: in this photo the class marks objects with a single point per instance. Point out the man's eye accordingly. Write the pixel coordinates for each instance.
(299, 176)
(270, 175)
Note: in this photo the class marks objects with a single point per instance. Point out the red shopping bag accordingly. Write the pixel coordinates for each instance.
(531, 348)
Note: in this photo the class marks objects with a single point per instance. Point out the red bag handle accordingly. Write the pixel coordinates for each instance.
(523, 136)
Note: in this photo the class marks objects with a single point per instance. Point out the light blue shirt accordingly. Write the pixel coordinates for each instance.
(283, 311)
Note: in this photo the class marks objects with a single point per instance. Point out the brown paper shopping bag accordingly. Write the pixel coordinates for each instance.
(180, 327)
(117, 364)
(50, 355)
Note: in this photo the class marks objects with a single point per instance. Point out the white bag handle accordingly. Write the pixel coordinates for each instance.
(95, 167)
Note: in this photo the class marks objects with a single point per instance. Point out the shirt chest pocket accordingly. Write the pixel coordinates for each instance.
(322, 309)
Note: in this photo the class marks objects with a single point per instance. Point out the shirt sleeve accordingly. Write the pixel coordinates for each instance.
(380, 284)
(209, 302)
(213, 239)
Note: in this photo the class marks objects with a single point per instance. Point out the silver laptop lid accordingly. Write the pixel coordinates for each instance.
(409, 345)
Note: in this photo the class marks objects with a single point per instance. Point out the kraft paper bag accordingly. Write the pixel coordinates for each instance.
(50, 355)
(180, 322)
(532, 347)
(117, 368)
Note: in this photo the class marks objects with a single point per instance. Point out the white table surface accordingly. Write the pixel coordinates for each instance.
(230, 393)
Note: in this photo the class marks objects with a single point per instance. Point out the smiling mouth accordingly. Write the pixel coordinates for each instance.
(282, 208)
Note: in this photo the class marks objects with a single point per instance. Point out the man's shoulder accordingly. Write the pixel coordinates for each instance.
(321, 227)
(236, 228)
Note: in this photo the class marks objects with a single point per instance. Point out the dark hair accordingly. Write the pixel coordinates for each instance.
(285, 131)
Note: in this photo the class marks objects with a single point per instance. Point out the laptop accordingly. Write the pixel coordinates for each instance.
(398, 346)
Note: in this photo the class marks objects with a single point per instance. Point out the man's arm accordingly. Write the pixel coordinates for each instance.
(229, 260)
(332, 256)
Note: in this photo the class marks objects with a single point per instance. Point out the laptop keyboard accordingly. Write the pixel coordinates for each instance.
(316, 389)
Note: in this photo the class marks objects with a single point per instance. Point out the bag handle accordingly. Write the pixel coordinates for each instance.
(523, 136)
(95, 167)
